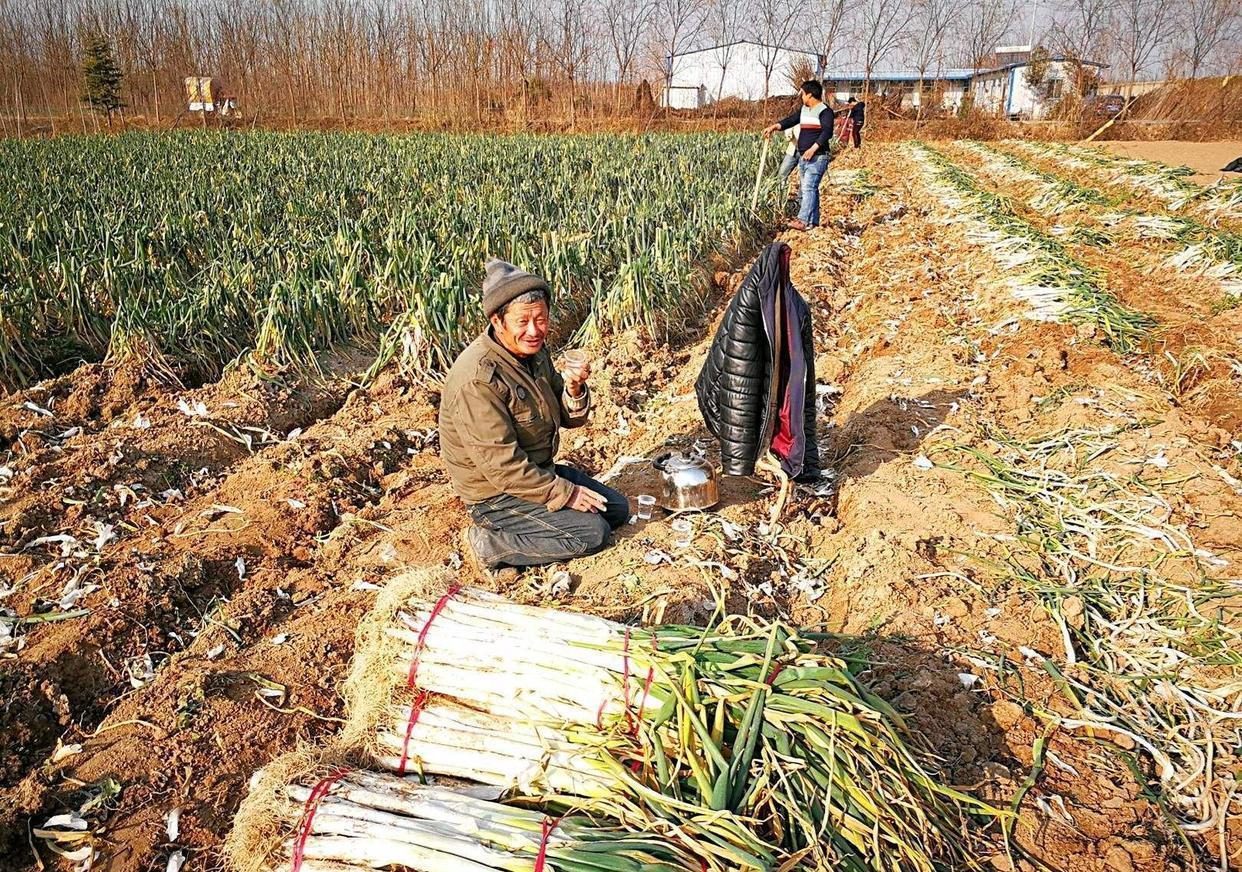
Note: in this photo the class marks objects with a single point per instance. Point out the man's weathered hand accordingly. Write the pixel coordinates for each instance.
(809, 154)
(576, 377)
(583, 499)
(769, 130)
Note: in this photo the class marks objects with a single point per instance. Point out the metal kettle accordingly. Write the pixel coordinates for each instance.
(687, 482)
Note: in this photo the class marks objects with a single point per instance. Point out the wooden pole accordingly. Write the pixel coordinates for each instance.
(1107, 124)
(763, 160)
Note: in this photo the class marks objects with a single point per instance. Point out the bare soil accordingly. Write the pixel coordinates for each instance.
(241, 568)
(1205, 158)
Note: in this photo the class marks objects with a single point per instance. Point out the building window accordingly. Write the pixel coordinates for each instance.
(1056, 88)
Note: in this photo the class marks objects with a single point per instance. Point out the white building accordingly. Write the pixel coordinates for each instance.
(1005, 90)
(951, 85)
(745, 70)
(749, 70)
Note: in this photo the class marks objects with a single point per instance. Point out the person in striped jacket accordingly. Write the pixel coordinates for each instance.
(815, 122)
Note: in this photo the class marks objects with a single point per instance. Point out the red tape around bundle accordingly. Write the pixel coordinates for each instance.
(411, 680)
(642, 706)
(625, 689)
(416, 708)
(546, 829)
(419, 699)
(318, 792)
(636, 765)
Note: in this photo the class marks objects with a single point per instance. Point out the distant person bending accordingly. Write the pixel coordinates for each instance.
(858, 112)
(814, 122)
(501, 412)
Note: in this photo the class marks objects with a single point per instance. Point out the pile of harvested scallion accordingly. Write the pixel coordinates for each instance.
(743, 739)
(305, 815)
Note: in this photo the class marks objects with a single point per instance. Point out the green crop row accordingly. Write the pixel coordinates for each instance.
(204, 247)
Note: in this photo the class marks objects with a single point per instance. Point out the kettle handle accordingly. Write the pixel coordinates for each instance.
(661, 460)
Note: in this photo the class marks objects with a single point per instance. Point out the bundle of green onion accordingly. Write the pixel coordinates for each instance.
(358, 820)
(531, 758)
(768, 754)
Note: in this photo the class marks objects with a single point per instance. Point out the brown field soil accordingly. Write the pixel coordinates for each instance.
(1205, 158)
(1195, 346)
(237, 544)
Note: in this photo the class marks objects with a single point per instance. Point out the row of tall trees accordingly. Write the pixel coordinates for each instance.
(460, 60)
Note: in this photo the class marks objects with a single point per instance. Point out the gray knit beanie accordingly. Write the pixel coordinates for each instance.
(504, 283)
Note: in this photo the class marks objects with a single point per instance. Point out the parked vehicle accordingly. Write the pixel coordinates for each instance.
(1104, 105)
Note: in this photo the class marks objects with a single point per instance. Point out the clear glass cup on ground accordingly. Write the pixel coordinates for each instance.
(683, 532)
(646, 505)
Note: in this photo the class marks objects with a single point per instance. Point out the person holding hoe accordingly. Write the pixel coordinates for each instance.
(815, 124)
(501, 412)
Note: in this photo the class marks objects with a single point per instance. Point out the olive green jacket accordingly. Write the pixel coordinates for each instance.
(500, 425)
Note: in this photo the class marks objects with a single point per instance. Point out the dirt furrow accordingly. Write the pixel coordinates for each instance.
(90, 489)
(1194, 351)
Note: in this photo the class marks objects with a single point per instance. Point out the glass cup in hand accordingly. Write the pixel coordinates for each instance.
(576, 362)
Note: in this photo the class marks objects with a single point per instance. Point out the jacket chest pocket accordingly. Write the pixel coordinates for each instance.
(524, 406)
(535, 429)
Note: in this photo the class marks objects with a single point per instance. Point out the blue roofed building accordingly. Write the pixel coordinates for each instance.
(1009, 83)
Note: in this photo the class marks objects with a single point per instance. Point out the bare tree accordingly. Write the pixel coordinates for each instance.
(984, 24)
(1207, 26)
(776, 22)
(1144, 29)
(676, 25)
(724, 26)
(571, 47)
(826, 20)
(881, 26)
(518, 30)
(933, 19)
(1078, 32)
(625, 23)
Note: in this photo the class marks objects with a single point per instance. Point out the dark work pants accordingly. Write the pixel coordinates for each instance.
(514, 532)
(857, 136)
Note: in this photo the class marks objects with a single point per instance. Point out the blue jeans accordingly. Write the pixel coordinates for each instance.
(812, 172)
(788, 164)
(516, 532)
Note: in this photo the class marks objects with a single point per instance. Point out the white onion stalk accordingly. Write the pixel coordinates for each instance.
(400, 830)
(492, 732)
(450, 740)
(377, 851)
(525, 691)
(508, 678)
(517, 701)
(447, 628)
(370, 820)
(481, 603)
(557, 772)
(370, 791)
(341, 818)
(529, 663)
(525, 641)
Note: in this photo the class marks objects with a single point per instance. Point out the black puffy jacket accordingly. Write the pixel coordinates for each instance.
(757, 386)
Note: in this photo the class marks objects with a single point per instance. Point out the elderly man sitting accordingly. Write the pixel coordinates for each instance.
(500, 417)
